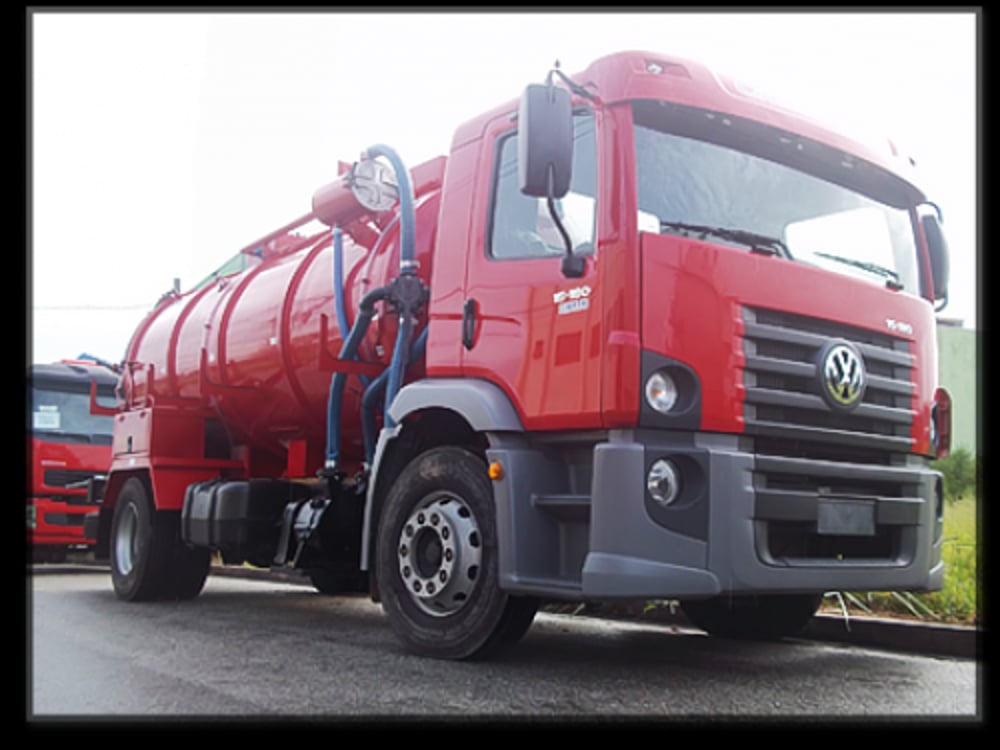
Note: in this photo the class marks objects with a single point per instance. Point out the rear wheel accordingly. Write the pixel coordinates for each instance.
(436, 561)
(148, 559)
(762, 617)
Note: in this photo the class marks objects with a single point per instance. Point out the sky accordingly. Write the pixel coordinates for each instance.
(163, 142)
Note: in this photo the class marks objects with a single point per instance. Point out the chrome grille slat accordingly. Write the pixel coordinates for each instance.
(781, 382)
(63, 477)
(818, 435)
(808, 401)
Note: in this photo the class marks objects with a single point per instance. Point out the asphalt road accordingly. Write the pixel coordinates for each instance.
(266, 649)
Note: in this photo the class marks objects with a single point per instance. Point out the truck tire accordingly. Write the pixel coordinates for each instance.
(188, 567)
(763, 617)
(436, 561)
(148, 559)
(331, 583)
(138, 555)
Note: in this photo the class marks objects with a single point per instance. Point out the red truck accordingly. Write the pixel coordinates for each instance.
(69, 449)
(641, 334)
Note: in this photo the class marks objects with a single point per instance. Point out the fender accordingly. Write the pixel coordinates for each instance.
(479, 402)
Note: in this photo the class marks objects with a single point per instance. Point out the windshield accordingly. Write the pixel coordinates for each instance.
(61, 413)
(734, 197)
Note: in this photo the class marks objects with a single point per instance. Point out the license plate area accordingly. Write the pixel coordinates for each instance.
(846, 517)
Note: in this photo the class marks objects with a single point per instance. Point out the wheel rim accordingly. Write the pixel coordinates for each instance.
(440, 554)
(125, 539)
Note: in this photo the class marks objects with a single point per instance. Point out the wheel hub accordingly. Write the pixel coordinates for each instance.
(125, 540)
(439, 554)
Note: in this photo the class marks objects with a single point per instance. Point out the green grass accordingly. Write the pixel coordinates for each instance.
(957, 602)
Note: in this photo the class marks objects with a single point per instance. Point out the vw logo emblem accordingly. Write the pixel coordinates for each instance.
(843, 376)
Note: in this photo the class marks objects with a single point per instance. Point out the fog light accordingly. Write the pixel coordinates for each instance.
(661, 392)
(663, 482)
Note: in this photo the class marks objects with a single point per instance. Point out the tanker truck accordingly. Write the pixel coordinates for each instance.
(641, 334)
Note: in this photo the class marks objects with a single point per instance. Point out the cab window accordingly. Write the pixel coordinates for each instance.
(521, 226)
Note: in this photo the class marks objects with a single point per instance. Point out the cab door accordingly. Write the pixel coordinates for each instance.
(526, 327)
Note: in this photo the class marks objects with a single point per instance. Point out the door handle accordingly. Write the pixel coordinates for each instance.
(468, 323)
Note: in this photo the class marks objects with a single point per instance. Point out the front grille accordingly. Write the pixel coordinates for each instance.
(782, 380)
(64, 519)
(813, 462)
(63, 477)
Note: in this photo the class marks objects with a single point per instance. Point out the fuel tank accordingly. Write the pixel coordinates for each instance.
(259, 347)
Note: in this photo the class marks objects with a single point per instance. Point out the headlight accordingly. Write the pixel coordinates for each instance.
(661, 392)
(663, 482)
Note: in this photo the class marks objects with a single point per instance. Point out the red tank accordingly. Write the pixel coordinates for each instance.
(268, 336)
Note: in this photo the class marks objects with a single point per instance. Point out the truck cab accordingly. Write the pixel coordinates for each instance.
(732, 402)
(68, 448)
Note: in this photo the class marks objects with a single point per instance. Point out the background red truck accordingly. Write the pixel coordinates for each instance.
(639, 335)
(68, 446)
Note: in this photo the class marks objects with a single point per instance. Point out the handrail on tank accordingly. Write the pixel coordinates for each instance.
(254, 247)
(327, 361)
(129, 373)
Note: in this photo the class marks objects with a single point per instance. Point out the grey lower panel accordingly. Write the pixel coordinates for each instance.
(613, 542)
(608, 576)
(630, 554)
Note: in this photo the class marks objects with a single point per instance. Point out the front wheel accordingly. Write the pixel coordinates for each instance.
(760, 617)
(436, 560)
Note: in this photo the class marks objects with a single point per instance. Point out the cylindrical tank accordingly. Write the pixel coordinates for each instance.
(251, 346)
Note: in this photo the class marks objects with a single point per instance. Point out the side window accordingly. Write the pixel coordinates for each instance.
(521, 226)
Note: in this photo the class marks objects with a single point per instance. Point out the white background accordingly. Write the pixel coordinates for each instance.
(161, 143)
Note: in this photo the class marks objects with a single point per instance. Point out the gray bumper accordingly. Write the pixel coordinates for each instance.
(747, 523)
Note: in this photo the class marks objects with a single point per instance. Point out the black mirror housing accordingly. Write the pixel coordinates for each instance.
(545, 141)
(937, 247)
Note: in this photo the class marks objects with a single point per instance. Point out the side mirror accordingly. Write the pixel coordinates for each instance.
(545, 141)
(937, 246)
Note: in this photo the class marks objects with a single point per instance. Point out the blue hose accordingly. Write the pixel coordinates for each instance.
(407, 264)
(366, 312)
(407, 267)
(338, 281)
(338, 287)
(376, 389)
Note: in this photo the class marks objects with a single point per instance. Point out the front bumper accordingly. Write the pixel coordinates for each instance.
(748, 523)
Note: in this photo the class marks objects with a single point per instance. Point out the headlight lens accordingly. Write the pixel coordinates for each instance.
(663, 482)
(661, 392)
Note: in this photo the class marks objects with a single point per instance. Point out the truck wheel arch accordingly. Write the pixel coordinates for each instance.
(428, 414)
(109, 498)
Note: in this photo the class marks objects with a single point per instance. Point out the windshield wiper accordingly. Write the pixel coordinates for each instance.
(758, 243)
(891, 277)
